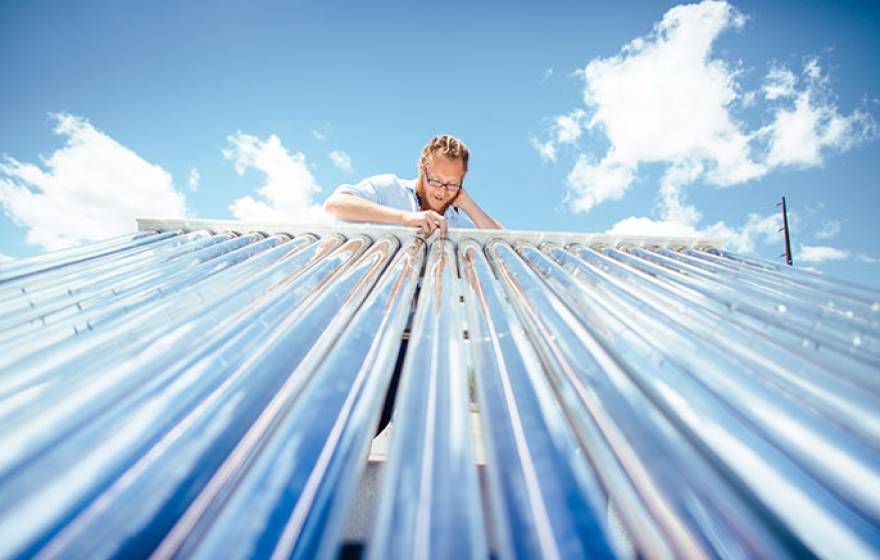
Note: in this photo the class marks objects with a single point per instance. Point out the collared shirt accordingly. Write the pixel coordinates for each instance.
(390, 190)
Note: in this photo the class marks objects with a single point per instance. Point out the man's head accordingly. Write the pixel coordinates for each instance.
(442, 167)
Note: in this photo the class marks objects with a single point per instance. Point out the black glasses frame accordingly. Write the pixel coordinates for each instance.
(452, 187)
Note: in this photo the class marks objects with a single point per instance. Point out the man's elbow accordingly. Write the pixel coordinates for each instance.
(334, 206)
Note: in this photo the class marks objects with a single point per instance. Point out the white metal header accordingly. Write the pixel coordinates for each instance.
(455, 234)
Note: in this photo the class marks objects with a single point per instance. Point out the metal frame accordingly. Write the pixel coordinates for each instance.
(403, 233)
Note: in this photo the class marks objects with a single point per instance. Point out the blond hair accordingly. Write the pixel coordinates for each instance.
(447, 145)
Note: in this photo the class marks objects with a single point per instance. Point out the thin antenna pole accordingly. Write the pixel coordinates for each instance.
(787, 254)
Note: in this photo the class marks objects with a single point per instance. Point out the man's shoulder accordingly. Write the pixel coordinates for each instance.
(390, 180)
(388, 190)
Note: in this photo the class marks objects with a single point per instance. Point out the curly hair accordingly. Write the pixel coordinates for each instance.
(449, 146)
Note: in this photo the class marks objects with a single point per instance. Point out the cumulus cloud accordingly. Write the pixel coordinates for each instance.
(644, 226)
(756, 229)
(569, 127)
(565, 129)
(591, 183)
(341, 160)
(819, 253)
(5, 258)
(829, 229)
(91, 188)
(669, 98)
(868, 259)
(289, 189)
(664, 98)
(809, 125)
(192, 181)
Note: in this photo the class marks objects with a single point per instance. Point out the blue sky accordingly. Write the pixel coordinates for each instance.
(648, 117)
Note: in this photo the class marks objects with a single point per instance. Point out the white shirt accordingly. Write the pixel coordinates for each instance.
(390, 190)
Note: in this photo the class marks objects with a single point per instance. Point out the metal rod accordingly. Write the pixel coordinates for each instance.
(788, 259)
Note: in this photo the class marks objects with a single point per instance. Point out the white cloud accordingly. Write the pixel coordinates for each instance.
(811, 124)
(91, 188)
(591, 183)
(192, 181)
(672, 205)
(664, 98)
(812, 70)
(546, 149)
(319, 135)
(569, 127)
(819, 253)
(669, 98)
(763, 229)
(566, 129)
(779, 83)
(642, 226)
(5, 258)
(341, 160)
(868, 259)
(289, 190)
(829, 229)
(548, 73)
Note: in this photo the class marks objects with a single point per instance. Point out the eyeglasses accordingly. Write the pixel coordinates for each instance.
(451, 187)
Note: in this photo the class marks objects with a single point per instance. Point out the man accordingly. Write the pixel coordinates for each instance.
(436, 200)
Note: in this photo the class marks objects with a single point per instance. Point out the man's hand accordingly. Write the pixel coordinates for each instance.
(427, 221)
(462, 199)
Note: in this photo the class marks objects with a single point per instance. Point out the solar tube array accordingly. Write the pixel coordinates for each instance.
(181, 393)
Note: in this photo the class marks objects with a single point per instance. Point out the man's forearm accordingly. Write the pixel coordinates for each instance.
(355, 209)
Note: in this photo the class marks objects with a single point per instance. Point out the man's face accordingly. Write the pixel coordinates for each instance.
(445, 170)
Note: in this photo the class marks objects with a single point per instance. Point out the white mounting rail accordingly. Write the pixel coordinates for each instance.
(455, 234)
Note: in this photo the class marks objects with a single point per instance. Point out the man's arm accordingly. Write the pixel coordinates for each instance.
(353, 208)
(480, 219)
